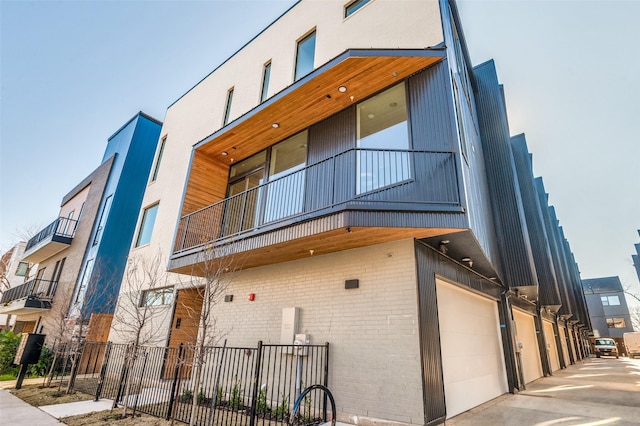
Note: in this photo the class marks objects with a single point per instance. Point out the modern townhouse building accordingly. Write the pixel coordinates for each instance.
(81, 255)
(357, 177)
(608, 307)
(13, 272)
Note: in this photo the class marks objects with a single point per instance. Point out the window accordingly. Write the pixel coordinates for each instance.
(610, 300)
(146, 226)
(383, 140)
(304, 56)
(285, 194)
(163, 296)
(616, 323)
(156, 166)
(103, 219)
(63, 225)
(354, 6)
(250, 202)
(227, 108)
(266, 75)
(23, 269)
(84, 282)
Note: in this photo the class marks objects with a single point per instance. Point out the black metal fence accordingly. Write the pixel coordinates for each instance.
(237, 386)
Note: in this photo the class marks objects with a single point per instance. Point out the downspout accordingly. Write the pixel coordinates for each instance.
(542, 343)
(513, 362)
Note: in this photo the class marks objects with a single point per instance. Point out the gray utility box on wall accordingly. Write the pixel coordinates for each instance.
(301, 343)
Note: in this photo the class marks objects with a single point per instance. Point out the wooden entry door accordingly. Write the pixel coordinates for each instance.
(184, 328)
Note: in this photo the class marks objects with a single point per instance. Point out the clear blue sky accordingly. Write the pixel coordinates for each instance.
(72, 72)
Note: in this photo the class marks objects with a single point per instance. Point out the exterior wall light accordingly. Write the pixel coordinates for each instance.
(275, 125)
(342, 89)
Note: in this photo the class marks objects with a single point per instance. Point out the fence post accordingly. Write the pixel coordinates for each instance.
(256, 384)
(176, 373)
(103, 370)
(326, 379)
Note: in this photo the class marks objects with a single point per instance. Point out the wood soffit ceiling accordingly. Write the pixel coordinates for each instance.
(306, 102)
(324, 243)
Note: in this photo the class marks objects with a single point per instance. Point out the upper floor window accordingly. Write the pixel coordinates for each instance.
(163, 296)
(103, 219)
(353, 6)
(23, 269)
(146, 225)
(227, 108)
(156, 166)
(305, 55)
(610, 300)
(266, 75)
(616, 323)
(383, 139)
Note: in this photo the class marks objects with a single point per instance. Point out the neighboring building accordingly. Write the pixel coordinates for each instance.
(636, 258)
(81, 255)
(13, 272)
(608, 307)
(367, 178)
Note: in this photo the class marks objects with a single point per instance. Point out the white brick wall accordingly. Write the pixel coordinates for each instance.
(374, 370)
(373, 330)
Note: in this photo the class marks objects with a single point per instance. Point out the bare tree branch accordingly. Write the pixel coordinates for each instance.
(137, 310)
(211, 277)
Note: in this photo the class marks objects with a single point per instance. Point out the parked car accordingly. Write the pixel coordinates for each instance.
(632, 342)
(605, 346)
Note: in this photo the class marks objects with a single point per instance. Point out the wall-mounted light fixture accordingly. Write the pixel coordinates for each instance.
(275, 125)
(342, 89)
(351, 284)
(224, 153)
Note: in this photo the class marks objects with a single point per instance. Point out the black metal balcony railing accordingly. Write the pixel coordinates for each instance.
(43, 289)
(62, 226)
(357, 175)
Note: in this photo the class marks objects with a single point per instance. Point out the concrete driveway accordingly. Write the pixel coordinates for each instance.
(594, 392)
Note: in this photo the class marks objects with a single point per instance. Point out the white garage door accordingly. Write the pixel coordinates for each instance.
(529, 352)
(565, 348)
(472, 359)
(572, 342)
(552, 348)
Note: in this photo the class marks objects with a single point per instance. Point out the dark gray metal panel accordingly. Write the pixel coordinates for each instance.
(429, 264)
(331, 181)
(431, 110)
(548, 291)
(332, 136)
(513, 242)
(551, 228)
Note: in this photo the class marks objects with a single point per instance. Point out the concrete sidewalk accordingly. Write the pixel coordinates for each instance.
(14, 411)
(596, 391)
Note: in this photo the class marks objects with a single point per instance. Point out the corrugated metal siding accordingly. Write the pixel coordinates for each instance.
(431, 110)
(429, 264)
(330, 137)
(514, 247)
(548, 291)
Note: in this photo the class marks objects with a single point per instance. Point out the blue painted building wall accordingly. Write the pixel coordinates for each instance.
(134, 146)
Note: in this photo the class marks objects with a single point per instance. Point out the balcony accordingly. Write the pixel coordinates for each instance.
(356, 198)
(30, 297)
(51, 240)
